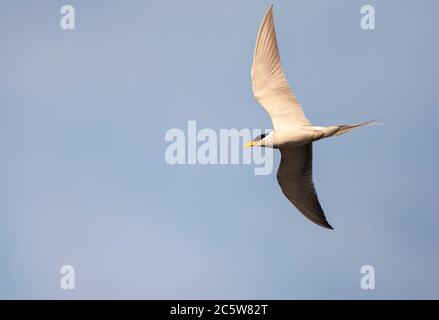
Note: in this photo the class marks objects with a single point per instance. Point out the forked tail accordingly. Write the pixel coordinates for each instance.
(341, 129)
(344, 128)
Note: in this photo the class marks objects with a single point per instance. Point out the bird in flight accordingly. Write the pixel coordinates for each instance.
(293, 134)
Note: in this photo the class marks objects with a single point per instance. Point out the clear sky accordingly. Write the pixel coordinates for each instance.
(84, 181)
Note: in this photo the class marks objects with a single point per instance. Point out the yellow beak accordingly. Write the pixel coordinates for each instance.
(250, 144)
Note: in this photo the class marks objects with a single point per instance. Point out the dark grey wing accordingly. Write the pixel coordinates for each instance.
(295, 178)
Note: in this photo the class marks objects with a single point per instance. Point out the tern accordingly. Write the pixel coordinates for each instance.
(293, 134)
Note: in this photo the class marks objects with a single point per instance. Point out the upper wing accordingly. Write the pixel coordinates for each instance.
(270, 86)
(295, 178)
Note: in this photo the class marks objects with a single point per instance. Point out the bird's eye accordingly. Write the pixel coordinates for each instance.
(262, 136)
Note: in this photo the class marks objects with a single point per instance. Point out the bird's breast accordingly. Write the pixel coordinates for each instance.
(293, 137)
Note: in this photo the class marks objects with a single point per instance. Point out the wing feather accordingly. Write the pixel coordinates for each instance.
(295, 179)
(270, 86)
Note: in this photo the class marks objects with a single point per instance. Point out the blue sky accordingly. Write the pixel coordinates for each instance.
(83, 179)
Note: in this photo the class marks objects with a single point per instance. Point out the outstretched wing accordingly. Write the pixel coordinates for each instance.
(270, 86)
(295, 178)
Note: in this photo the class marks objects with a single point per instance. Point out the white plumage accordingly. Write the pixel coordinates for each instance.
(292, 132)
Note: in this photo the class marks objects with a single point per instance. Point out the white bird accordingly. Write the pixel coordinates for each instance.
(293, 134)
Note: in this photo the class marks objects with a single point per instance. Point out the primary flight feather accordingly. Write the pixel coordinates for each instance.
(293, 134)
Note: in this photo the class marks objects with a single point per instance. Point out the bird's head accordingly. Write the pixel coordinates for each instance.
(257, 142)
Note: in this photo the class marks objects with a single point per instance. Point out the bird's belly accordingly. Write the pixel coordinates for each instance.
(293, 138)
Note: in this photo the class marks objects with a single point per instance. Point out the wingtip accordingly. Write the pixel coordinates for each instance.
(270, 8)
(326, 225)
(322, 223)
